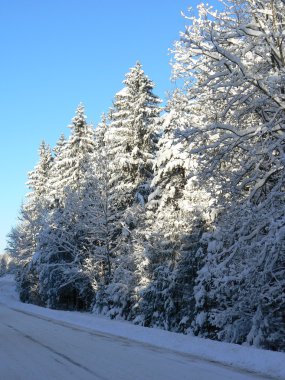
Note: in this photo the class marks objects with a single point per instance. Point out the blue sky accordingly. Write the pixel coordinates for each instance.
(58, 53)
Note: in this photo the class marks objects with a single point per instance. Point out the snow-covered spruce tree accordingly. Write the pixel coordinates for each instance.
(6, 264)
(234, 61)
(108, 216)
(73, 158)
(59, 146)
(176, 216)
(22, 240)
(131, 139)
(37, 179)
(66, 262)
(65, 242)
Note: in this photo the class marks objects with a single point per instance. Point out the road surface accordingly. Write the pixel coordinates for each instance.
(38, 348)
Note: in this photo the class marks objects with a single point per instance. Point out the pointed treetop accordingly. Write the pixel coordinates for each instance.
(137, 81)
(136, 70)
(101, 127)
(138, 65)
(59, 145)
(38, 176)
(79, 119)
(104, 120)
(44, 148)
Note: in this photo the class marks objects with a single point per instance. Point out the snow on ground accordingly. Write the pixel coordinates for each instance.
(267, 363)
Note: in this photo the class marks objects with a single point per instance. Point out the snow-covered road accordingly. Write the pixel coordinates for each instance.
(34, 347)
(40, 343)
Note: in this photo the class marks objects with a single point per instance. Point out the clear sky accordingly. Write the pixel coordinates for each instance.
(58, 53)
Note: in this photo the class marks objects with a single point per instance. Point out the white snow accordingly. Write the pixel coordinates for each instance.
(262, 362)
(122, 92)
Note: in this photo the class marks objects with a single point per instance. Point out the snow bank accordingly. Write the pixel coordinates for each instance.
(267, 363)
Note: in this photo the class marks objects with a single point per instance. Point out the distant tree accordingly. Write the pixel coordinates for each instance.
(22, 239)
(6, 264)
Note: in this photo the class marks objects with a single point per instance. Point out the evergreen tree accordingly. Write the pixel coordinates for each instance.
(66, 242)
(22, 241)
(132, 136)
(37, 179)
(131, 142)
(176, 216)
(106, 210)
(65, 260)
(60, 248)
(59, 146)
(73, 158)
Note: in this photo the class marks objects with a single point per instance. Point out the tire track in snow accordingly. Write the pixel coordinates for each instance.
(63, 356)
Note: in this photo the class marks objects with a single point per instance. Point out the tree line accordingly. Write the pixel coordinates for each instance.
(173, 219)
